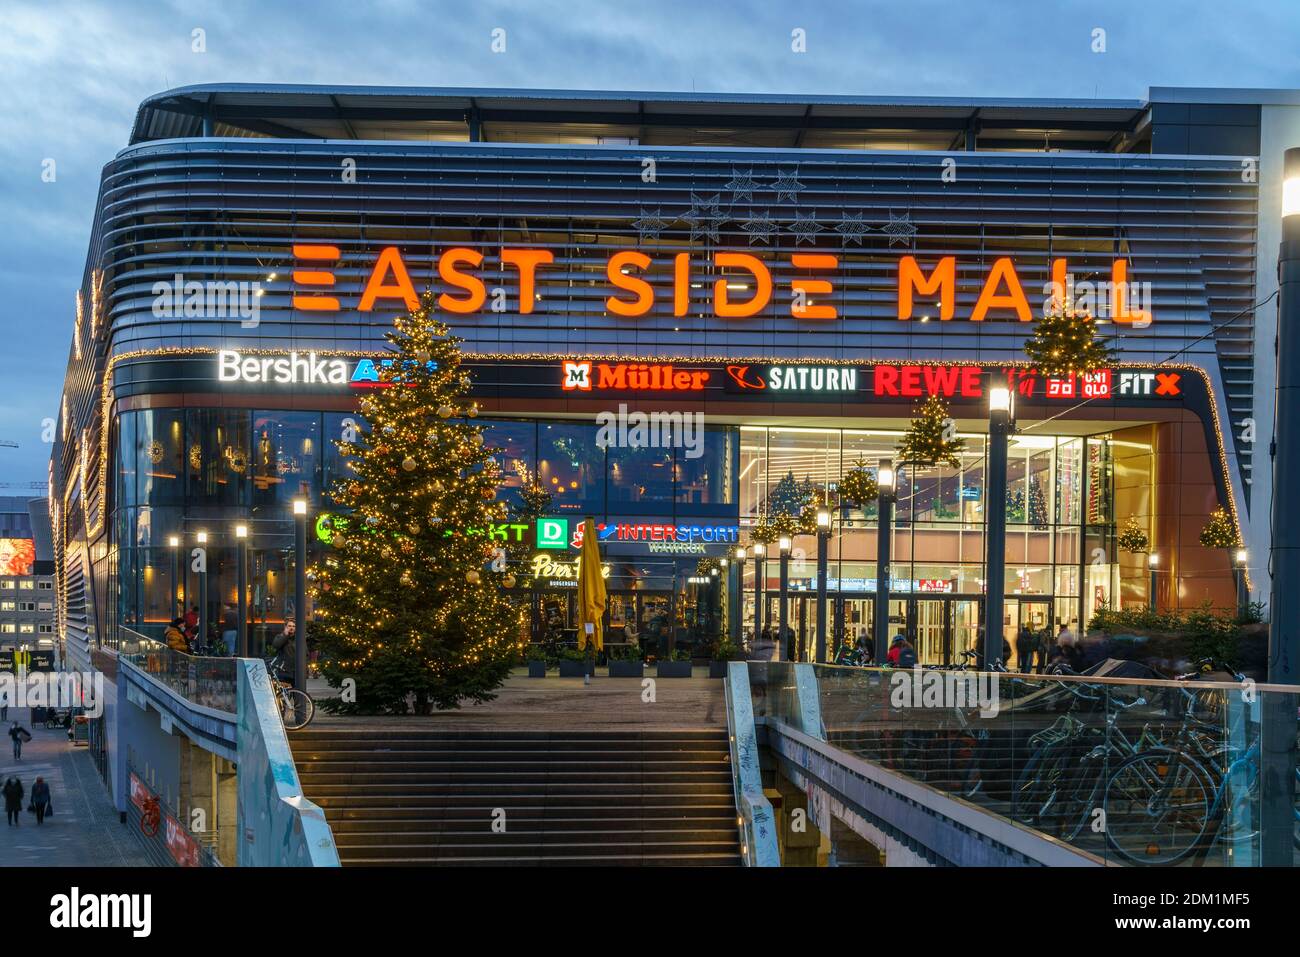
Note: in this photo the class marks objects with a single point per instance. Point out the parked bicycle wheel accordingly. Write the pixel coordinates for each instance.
(296, 709)
(1157, 806)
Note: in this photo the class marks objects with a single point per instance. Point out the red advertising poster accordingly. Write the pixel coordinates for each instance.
(183, 848)
(139, 793)
(17, 556)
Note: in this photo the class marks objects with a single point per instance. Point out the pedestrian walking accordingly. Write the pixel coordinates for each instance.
(20, 737)
(41, 800)
(13, 795)
(1025, 649)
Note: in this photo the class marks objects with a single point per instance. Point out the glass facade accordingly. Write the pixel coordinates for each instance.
(181, 471)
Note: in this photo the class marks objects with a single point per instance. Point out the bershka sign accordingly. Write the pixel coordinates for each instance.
(792, 381)
(631, 377)
(296, 368)
(742, 284)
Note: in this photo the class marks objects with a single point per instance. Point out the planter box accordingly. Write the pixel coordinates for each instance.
(626, 669)
(576, 669)
(673, 669)
(537, 669)
(718, 669)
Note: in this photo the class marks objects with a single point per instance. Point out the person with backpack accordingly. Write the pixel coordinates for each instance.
(20, 736)
(906, 653)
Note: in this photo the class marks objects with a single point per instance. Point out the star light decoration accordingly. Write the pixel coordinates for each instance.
(787, 185)
(651, 223)
(899, 229)
(742, 185)
(705, 216)
(805, 227)
(759, 227)
(851, 228)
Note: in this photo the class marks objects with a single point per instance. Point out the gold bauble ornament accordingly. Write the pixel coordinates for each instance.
(472, 577)
(408, 463)
(508, 581)
(444, 411)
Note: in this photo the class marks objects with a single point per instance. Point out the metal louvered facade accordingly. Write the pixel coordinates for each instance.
(224, 211)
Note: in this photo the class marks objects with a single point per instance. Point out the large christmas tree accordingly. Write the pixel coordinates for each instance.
(409, 600)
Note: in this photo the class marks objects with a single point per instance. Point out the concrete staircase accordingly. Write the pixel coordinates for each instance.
(409, 796)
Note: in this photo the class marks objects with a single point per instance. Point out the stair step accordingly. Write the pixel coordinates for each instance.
(515, 823)
(511, 840)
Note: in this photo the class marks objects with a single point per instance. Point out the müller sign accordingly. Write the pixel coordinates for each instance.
(388, 283)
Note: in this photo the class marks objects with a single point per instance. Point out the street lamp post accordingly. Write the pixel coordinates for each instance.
(783, 611)
(738, 563)
(823, 560)
(1243, 597)
(300, 594)
(1278, 716)
(1153, 562)
(174, 543)
(241, 581)
(202, 538)
(1002, 422)
(887, 488)
(759, 551)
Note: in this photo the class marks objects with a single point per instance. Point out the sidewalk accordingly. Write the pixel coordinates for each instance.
(84, 830)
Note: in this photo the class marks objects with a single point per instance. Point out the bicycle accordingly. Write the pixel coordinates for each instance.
(1185, 802)
(296, 707)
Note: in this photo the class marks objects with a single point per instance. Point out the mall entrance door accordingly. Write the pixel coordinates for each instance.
(939, 628)
(1036, 613)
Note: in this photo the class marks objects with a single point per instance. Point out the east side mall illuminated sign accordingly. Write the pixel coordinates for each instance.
(744, 289)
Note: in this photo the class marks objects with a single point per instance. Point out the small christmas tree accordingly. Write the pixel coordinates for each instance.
(858, 486)
(931, 438)
(1133, 538)
(1219, 531)
(1037, 503)
(407, 602)
(1064, 342)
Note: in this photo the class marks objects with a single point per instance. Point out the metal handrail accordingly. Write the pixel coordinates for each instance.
(205, 681)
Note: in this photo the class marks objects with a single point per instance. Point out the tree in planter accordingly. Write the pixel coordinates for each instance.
(858, 486)
(931, 438)
(408, 603)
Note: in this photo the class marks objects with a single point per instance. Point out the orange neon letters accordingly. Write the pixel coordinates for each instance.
(451, 275)
(1119, 295)
(527, 261)
(762, 286)
(645, 294)
(942, 281)
(1003, 272)
(808, 287)
(315, 277)
(390, 260)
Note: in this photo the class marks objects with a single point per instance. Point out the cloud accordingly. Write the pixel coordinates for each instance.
(74, 73)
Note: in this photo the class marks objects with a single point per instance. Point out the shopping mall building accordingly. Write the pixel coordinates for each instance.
(799, 271)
